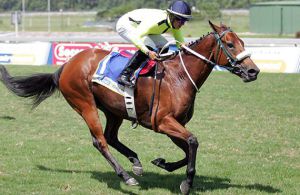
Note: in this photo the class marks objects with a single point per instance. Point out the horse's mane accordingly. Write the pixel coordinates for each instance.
(192, 43)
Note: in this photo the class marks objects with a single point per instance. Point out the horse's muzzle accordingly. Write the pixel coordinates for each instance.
(246, 74)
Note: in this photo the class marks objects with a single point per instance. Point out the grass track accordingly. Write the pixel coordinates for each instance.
(248, 133)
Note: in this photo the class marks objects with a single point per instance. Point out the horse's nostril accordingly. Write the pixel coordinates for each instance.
(252, 72)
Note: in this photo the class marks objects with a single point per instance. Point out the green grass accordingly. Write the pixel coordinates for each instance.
(248, 133)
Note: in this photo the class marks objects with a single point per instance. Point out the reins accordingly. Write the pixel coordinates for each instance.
(182, 62)
(183, 65)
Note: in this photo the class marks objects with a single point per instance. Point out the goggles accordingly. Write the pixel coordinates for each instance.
(181, 20)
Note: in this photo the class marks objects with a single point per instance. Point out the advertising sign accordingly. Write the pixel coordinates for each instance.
(24, 53)
(276, 59)
(62, 52)
(268, 59)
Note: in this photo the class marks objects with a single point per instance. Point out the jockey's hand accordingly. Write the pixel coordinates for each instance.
(184, 44)
(152, 55)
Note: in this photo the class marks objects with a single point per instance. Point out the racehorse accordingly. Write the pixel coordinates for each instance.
(175, 88)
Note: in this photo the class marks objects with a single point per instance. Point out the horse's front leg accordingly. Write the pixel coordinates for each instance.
(172, 166)
(191, 170)
(171, 127)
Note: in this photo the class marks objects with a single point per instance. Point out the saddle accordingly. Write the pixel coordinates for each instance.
(112, 65)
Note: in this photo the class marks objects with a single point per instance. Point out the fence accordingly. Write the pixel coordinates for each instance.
(55, 22)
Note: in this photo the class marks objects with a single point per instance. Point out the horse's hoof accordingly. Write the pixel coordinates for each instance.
(137, 170)
(185, 188)
(160, 162)
(132, 182)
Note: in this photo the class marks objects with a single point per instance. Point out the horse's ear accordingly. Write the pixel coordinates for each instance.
(223, 25)
(214, 27)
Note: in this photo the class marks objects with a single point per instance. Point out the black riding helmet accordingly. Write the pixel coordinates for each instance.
(180, 10)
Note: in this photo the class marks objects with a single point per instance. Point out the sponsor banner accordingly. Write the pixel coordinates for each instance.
(62, 52)
(268, 59)
(276, 59)
(24, 53)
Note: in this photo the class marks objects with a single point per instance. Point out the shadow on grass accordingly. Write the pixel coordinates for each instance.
(7, 117)
(170, 182)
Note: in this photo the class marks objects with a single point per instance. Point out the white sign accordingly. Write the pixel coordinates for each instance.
(276, 59)
(25, 53)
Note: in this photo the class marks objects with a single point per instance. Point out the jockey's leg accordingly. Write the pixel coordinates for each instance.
(134, 63)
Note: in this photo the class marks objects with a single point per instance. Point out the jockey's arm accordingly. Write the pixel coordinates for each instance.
(142, 30)
(178, 37)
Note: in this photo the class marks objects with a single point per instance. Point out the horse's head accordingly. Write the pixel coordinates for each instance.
(230, 53)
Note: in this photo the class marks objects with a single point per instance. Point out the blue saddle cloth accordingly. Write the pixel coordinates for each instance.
(112, 65)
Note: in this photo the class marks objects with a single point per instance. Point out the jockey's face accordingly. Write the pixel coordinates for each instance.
(178, 23)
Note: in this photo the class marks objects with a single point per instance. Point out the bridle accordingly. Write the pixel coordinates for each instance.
(232, 61)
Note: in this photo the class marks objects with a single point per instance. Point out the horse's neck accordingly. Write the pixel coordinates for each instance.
(197, 68)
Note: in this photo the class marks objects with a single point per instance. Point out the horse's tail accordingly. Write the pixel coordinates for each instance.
(37, 86)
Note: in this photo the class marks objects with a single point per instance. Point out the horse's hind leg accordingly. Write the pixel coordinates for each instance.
(111, 134)
(172, 166)
(84, 104)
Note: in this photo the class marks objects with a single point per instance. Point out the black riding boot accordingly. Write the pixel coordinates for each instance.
(134, 63)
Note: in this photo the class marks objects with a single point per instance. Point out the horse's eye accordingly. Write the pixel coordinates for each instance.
(230, 45)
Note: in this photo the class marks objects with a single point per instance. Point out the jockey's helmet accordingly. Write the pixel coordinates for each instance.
(180, 10)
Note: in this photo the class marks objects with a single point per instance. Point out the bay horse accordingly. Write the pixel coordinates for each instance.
(175, 88)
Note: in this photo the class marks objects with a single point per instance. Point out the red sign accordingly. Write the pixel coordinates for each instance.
(62, 52)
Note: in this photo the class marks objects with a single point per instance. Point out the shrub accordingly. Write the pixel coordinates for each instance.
(209, 10)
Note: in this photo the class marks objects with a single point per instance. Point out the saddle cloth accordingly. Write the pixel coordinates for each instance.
(111, 66)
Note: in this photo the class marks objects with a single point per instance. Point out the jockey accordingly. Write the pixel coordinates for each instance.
(143, 28)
